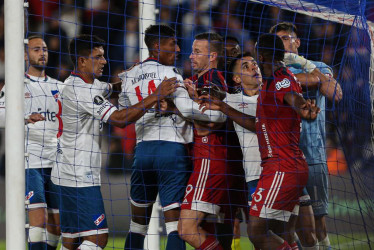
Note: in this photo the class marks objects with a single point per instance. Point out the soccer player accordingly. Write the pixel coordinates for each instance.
(312, 140)
(284, 169)
(245, 72)
(77, 172)
(162, 164)
(207, 192)
(42, 119)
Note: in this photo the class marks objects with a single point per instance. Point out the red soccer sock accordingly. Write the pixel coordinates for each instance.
(284, 246)
(294, 246)
(211, 243)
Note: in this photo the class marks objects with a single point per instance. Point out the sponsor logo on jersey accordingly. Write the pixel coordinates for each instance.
(285, 83)
(243, 105)
(102, 108)
(254, 207)
(264, 131)
(29, 195)
(48, 115)
(99, 220)
(98, 100)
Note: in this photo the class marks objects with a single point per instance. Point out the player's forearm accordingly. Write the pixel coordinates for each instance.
(190, 109)
(244, 120)
(329, 87)
(132, 114)
(308, 81)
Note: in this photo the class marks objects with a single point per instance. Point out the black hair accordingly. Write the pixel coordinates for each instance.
(83, 45)
(270, 46)
(232, 38)
(284, 26)
(215, 40)
(230, 70)
(155, 33)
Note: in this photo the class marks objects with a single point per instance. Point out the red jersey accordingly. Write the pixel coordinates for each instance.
(278, 125)
(211, 76)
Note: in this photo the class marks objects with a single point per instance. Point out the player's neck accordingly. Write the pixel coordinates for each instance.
(32, 71)
(251, 90)
(87, 77)
(270, 68)
(210, 66)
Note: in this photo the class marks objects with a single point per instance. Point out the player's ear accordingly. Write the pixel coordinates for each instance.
(297, 42)
(81, 60)
(236, 79)
(213, 56)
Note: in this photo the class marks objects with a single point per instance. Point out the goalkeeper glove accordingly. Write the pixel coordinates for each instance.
(294, 59)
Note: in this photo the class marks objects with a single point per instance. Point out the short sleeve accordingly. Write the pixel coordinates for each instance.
(284, 85)
(95, 104)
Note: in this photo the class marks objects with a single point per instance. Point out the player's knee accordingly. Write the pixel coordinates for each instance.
(185, 230)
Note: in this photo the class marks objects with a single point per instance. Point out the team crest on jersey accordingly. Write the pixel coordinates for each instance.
(55, 93)
(29, 195)
(98, 100)
(204, 139)
(99, 219)
(285, 83)
(27, 95)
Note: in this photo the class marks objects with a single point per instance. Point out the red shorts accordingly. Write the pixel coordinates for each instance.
(278, 191)
(209, 184)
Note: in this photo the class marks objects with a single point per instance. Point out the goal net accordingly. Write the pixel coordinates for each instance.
(337, 33)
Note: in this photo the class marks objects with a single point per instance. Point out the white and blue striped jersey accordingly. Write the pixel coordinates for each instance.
(141, 81)
(248, 139)
(41, 96)
(84, 109)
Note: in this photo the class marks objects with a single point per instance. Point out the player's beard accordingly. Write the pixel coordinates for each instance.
(40, 65)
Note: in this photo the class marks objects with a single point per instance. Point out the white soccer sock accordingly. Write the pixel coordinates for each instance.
(52, 239)
(324, 244)
(37, 234)
(138, 228)
(315, 247)
(88, 245)
(171, 226)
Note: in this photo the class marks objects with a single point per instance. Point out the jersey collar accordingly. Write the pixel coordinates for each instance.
(35, 78)
(80, 76)
(151, 59)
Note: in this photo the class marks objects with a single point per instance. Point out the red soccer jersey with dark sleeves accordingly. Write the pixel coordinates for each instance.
(211, 76)
(278, 125)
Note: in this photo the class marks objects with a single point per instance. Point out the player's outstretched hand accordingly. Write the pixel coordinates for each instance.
(191, 89)
(35, 117)
(166, 88)
(309, 110)
(208, 102)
